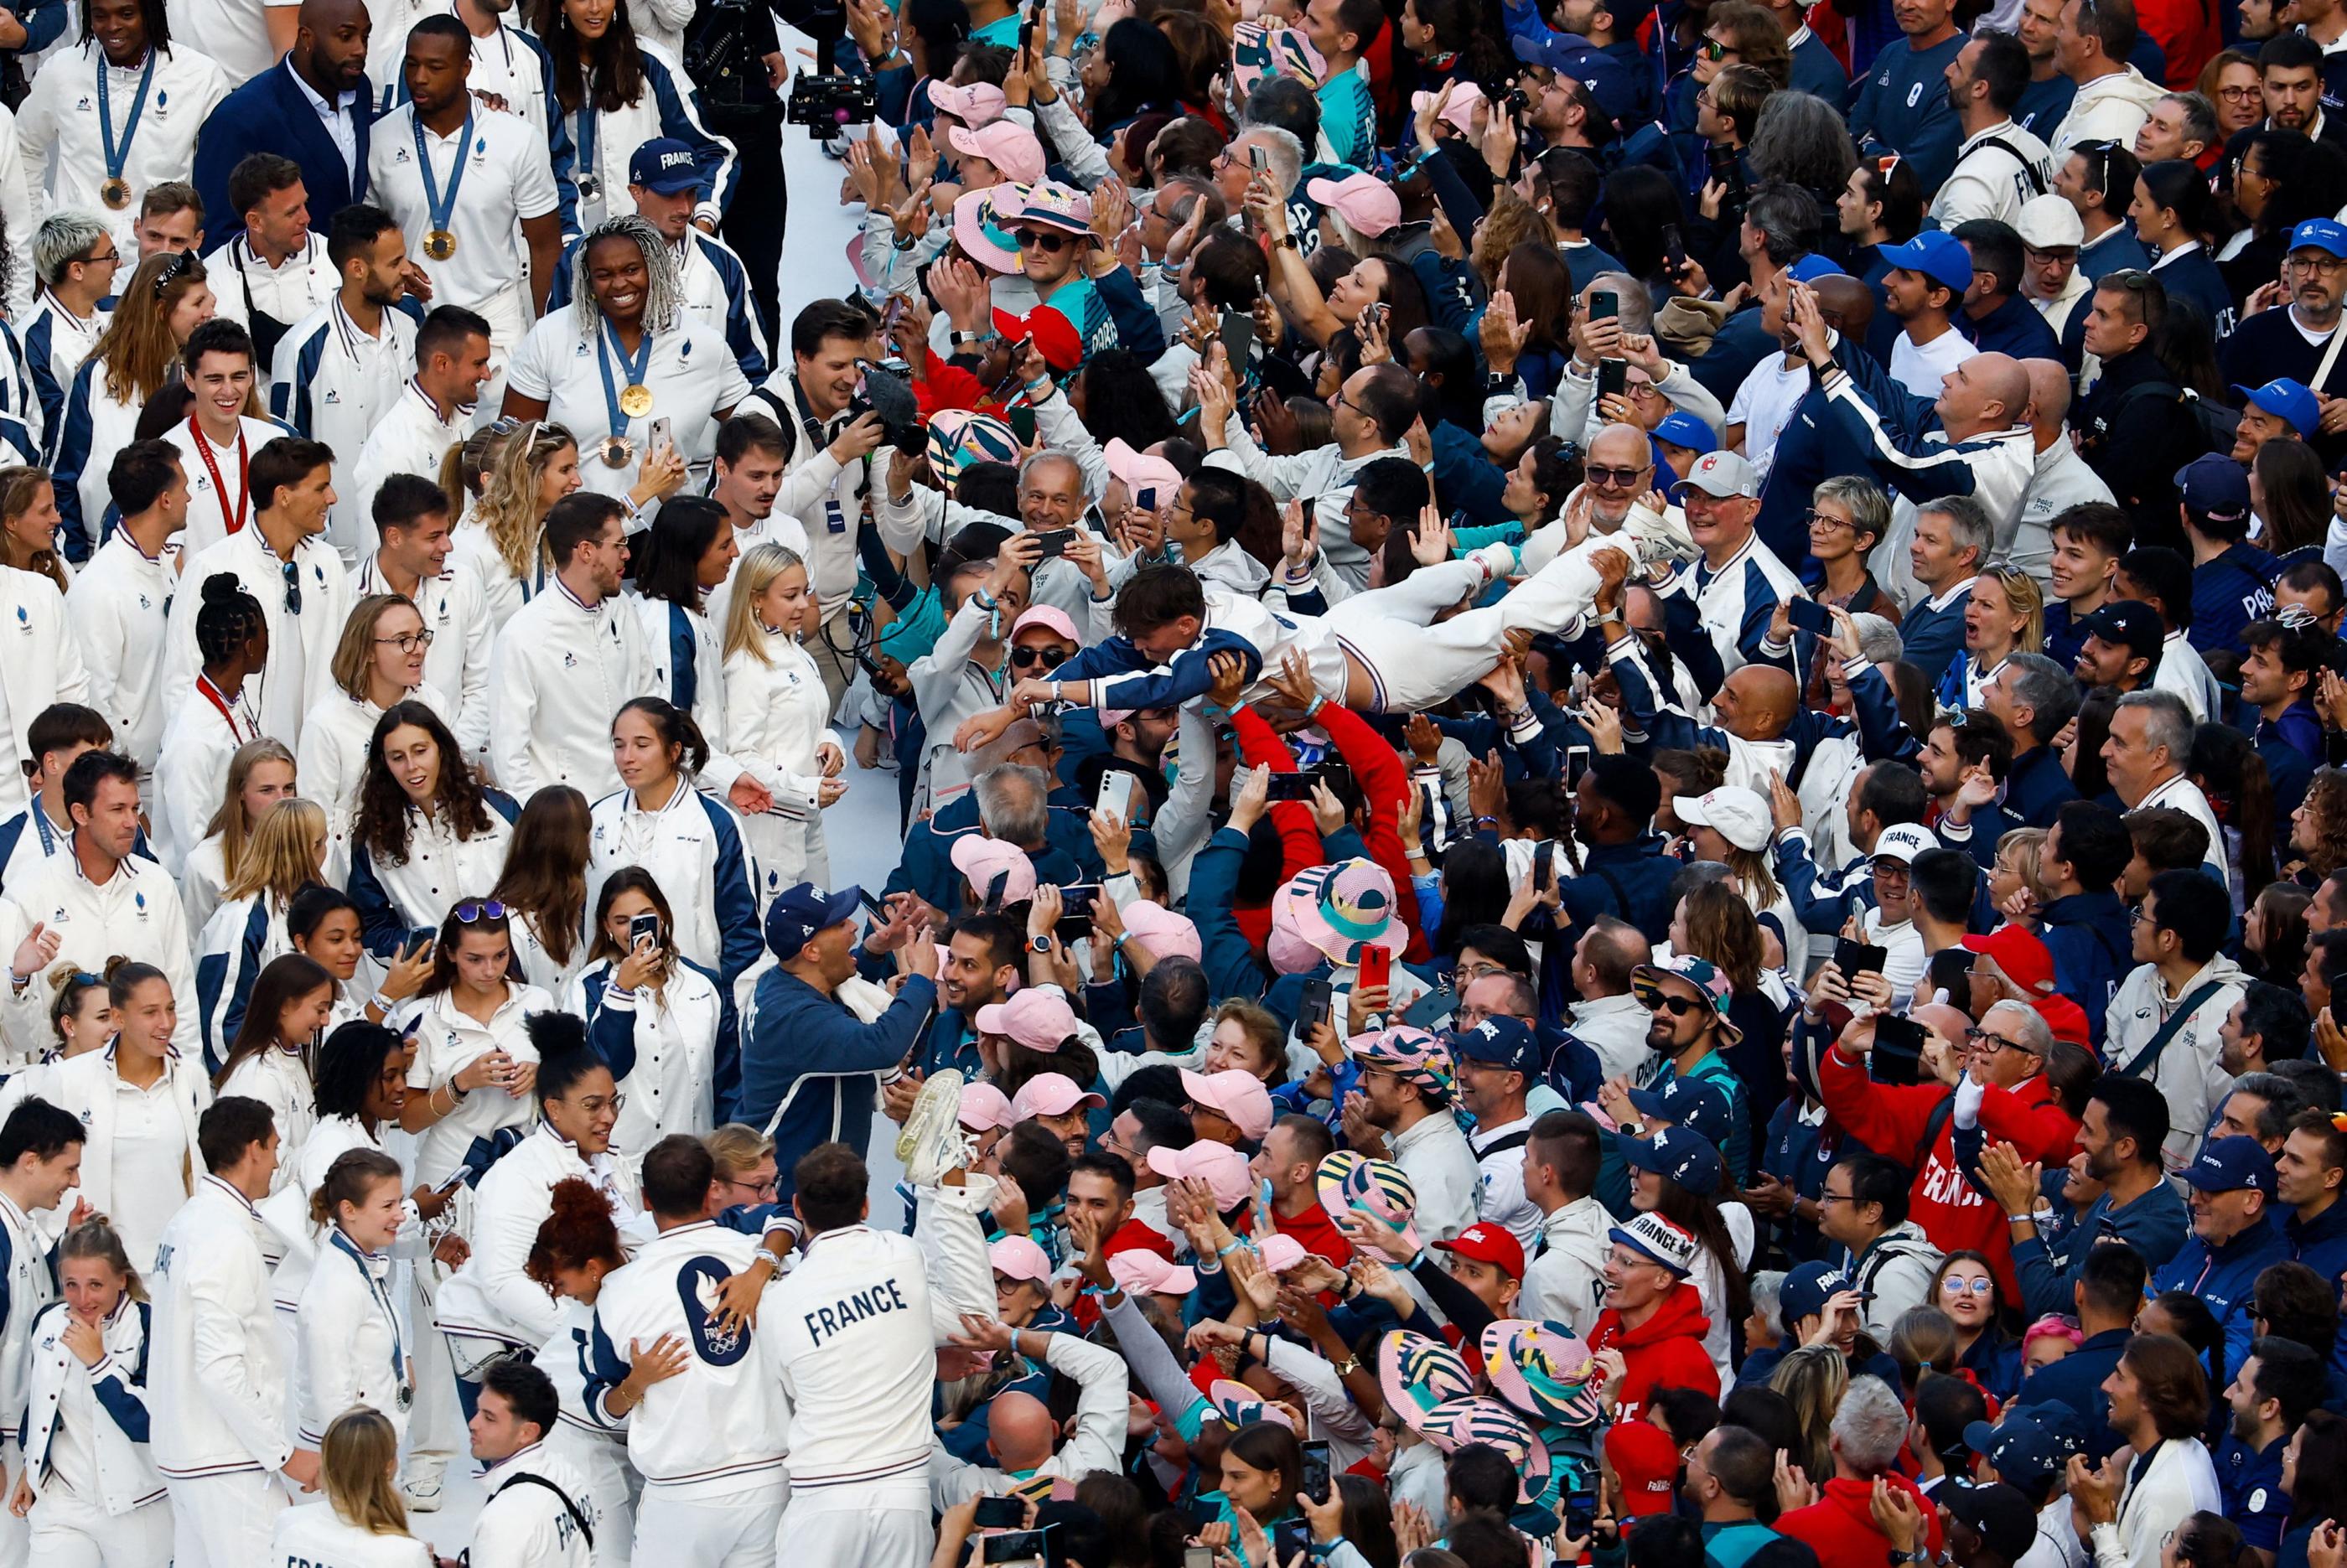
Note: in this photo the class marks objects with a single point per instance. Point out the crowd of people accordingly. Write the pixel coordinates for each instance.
(1614, 739)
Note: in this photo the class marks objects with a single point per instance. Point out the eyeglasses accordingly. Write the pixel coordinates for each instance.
(112, 257)
(407, 641)
(1048, 241)
(765, 1189)
(1815, 519)
(2137, 916)
(1998, 1041)
(595, 1104)
(474, 909)
(2240, 94)
(1825, 1198)
(292, 588)
(1617, 478)
(2328, 266)
(1679, 1006)
(1046, 657)
(1968, 1286)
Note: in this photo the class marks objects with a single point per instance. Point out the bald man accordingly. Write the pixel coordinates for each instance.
(1020, 1431)
(1971, 441)
(2061, 478)
(277, 112)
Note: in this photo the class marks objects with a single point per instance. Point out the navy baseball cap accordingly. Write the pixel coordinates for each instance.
(1685, 1156)
(1807, 1288)
(2320, 234)
(799, 911)
(2231, 1165)
(664, 165)
(2286, 399)
(2131, 622)
(2031, 1444)
(2007, 1524)
(1809, 268)
(1689, 1102)
(1497, 1042)
(2216, 487)
(1681, 428)
(1937, 255)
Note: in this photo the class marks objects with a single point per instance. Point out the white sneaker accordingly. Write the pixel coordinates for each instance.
(932, 1141)
(1658, 538)
(420, 1498)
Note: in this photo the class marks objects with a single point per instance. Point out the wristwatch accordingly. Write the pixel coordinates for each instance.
(1039, 944)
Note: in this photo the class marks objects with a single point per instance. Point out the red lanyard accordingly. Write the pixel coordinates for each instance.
(212, 693)
(235, 520)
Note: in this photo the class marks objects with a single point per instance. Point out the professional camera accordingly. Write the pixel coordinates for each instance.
(826, 103)
(890, 395)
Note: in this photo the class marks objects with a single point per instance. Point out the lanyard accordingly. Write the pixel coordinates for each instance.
(115, 157)
(359, 1260)
(212, 693)
(637, 368)
(586, 117)
(436, 207)
(41, 825)
(235, 520)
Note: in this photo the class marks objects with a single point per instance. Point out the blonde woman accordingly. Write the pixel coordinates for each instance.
(89, 1490)
(260, 775)
(288, 852)
(2005, 615)
(44, 657)
(378, 664)
(361, 1522)
(502, 536)
(777, 716)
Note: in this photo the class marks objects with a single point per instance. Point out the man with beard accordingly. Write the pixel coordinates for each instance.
(2297, 341)
(2269, 1396)
(2120, 1136)
(1402, 1112)
(977, 968)
(315, 107)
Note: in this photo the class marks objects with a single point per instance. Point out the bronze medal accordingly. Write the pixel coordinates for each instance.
(115, 193)
(617, 451)
(440, 244)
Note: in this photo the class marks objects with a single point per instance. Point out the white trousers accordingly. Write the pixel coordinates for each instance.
(71, 1531)
(224, 1520)
(869, 1532)
(731, 1531)
(14, 1533)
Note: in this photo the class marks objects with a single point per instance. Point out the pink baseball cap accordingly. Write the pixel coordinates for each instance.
(1222, 1168)
(1049, 1094)
(1239, 1096)
(1163, 933)
(1038, 1020)
(984, 1108)
(1141, 472)
(983, 859)
(1051, 618)
(980, 230)
(1138, 1269)
(1465, 98)
(980, 103)
(1363, 201)
(1010, 147)
(1280, 1252)
(1018, 1257)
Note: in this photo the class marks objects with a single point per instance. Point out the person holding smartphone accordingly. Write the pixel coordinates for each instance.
(638, 995)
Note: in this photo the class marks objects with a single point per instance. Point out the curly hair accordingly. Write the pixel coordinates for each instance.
(578, 1230)
(1510, 222)
(380, 819)
(662, 303)
(509, 509)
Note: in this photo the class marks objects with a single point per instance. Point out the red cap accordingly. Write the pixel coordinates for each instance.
(2026, 961)
(1646, 1462)
(1487, 1242)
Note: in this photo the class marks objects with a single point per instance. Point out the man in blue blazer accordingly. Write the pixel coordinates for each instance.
(314, 107)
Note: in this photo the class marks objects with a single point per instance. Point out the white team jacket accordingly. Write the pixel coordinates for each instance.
(351, 1350)
(127, 1476)
(2190, 1071)
(331, 761)
(694, 849)
(312, 1533)
(43, 658)
(301, 643)
(280, 1080)
(27, 1285)
(524, 1525)
(120, 601)
(216, 1375)
(559, 672)
(490, 1298)
(136, 913)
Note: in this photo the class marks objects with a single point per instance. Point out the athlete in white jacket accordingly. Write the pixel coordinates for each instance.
(122, 599)
(542, 1512)
(97, 1494)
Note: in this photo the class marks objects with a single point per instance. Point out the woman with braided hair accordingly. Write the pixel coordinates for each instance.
(207, 729)
(640, 380)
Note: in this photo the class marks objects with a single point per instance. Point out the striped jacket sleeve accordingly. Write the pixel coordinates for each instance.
(679, 112)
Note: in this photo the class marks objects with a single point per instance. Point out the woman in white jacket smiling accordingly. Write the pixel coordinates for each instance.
(351, 1350)
(492, 1305)
(644, 1002)
(377, 665)
(424, 831)
(778, 714)
(89, 1487)
(260, 775)
(474, 1066)
(270, 1060)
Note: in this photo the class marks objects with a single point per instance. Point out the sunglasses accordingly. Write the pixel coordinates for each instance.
(1679, 1006)
(292, 588)
(1048, 658)
(1619, 478)
(1050, 241)
(475, 909)
(1714, 50)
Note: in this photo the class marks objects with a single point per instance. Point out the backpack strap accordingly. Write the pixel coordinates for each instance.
(1515, 1139)
(2028, 170)
(529, 1477)
(2148, 1057)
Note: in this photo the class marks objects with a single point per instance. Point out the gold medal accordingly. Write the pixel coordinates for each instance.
(635, 401)
(617, 451)
(115, 193)
(440, 244)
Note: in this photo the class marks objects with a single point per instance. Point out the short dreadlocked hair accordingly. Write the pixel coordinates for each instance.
(662, 310)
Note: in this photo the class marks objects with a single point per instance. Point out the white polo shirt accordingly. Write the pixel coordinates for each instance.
(214, 511)
(331, 381)
(64, 150)
(691, 373)
(508, 178)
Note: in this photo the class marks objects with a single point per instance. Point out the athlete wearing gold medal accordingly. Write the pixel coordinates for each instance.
(623, 359)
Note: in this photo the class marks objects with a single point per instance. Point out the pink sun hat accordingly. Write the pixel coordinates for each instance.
(1362, 200)
(980, 230)
(1466, 97)
(1331, 911)
(1222, 1168)
(1237, 1095)
(1163, 933)
(1151, 1273)
(1419, 1373)
(1050, 1094)
(1141, 472)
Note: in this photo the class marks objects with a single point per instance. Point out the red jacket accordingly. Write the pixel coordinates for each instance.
(1666, 1351)
(1892, 1120)
(2187, 36)
(1840, 1526)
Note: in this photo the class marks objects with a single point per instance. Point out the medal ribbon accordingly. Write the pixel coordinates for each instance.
(235, 520)
(637, 368)
(438, 208)
(586, 164)
(115, 157)
(350, 1249)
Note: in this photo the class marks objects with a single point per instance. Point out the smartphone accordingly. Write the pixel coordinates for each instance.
(1852, 958)
(421, 939)
(1576, 762)
(1727, 170)
(1309, 506)
(1076, 912)
(1055, 543)
(1605, 305)
(1144, 499)
(1198, 1557)
(1012, 1546)
(999, 1513)
(1313, 1008)
(1377, 967)
(1115, 796)
(1316, 1473)
(1580, 1509)
(1898, 1051)
(1612, 378)
(1674, 250)
(1238, 338)
(1259, 156)
(1807, 615)
(1290, 1539)
(1543, 864)
(663, 435)
(871, 902)
(454, 1181)
(1292, 786)
(644, 925)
